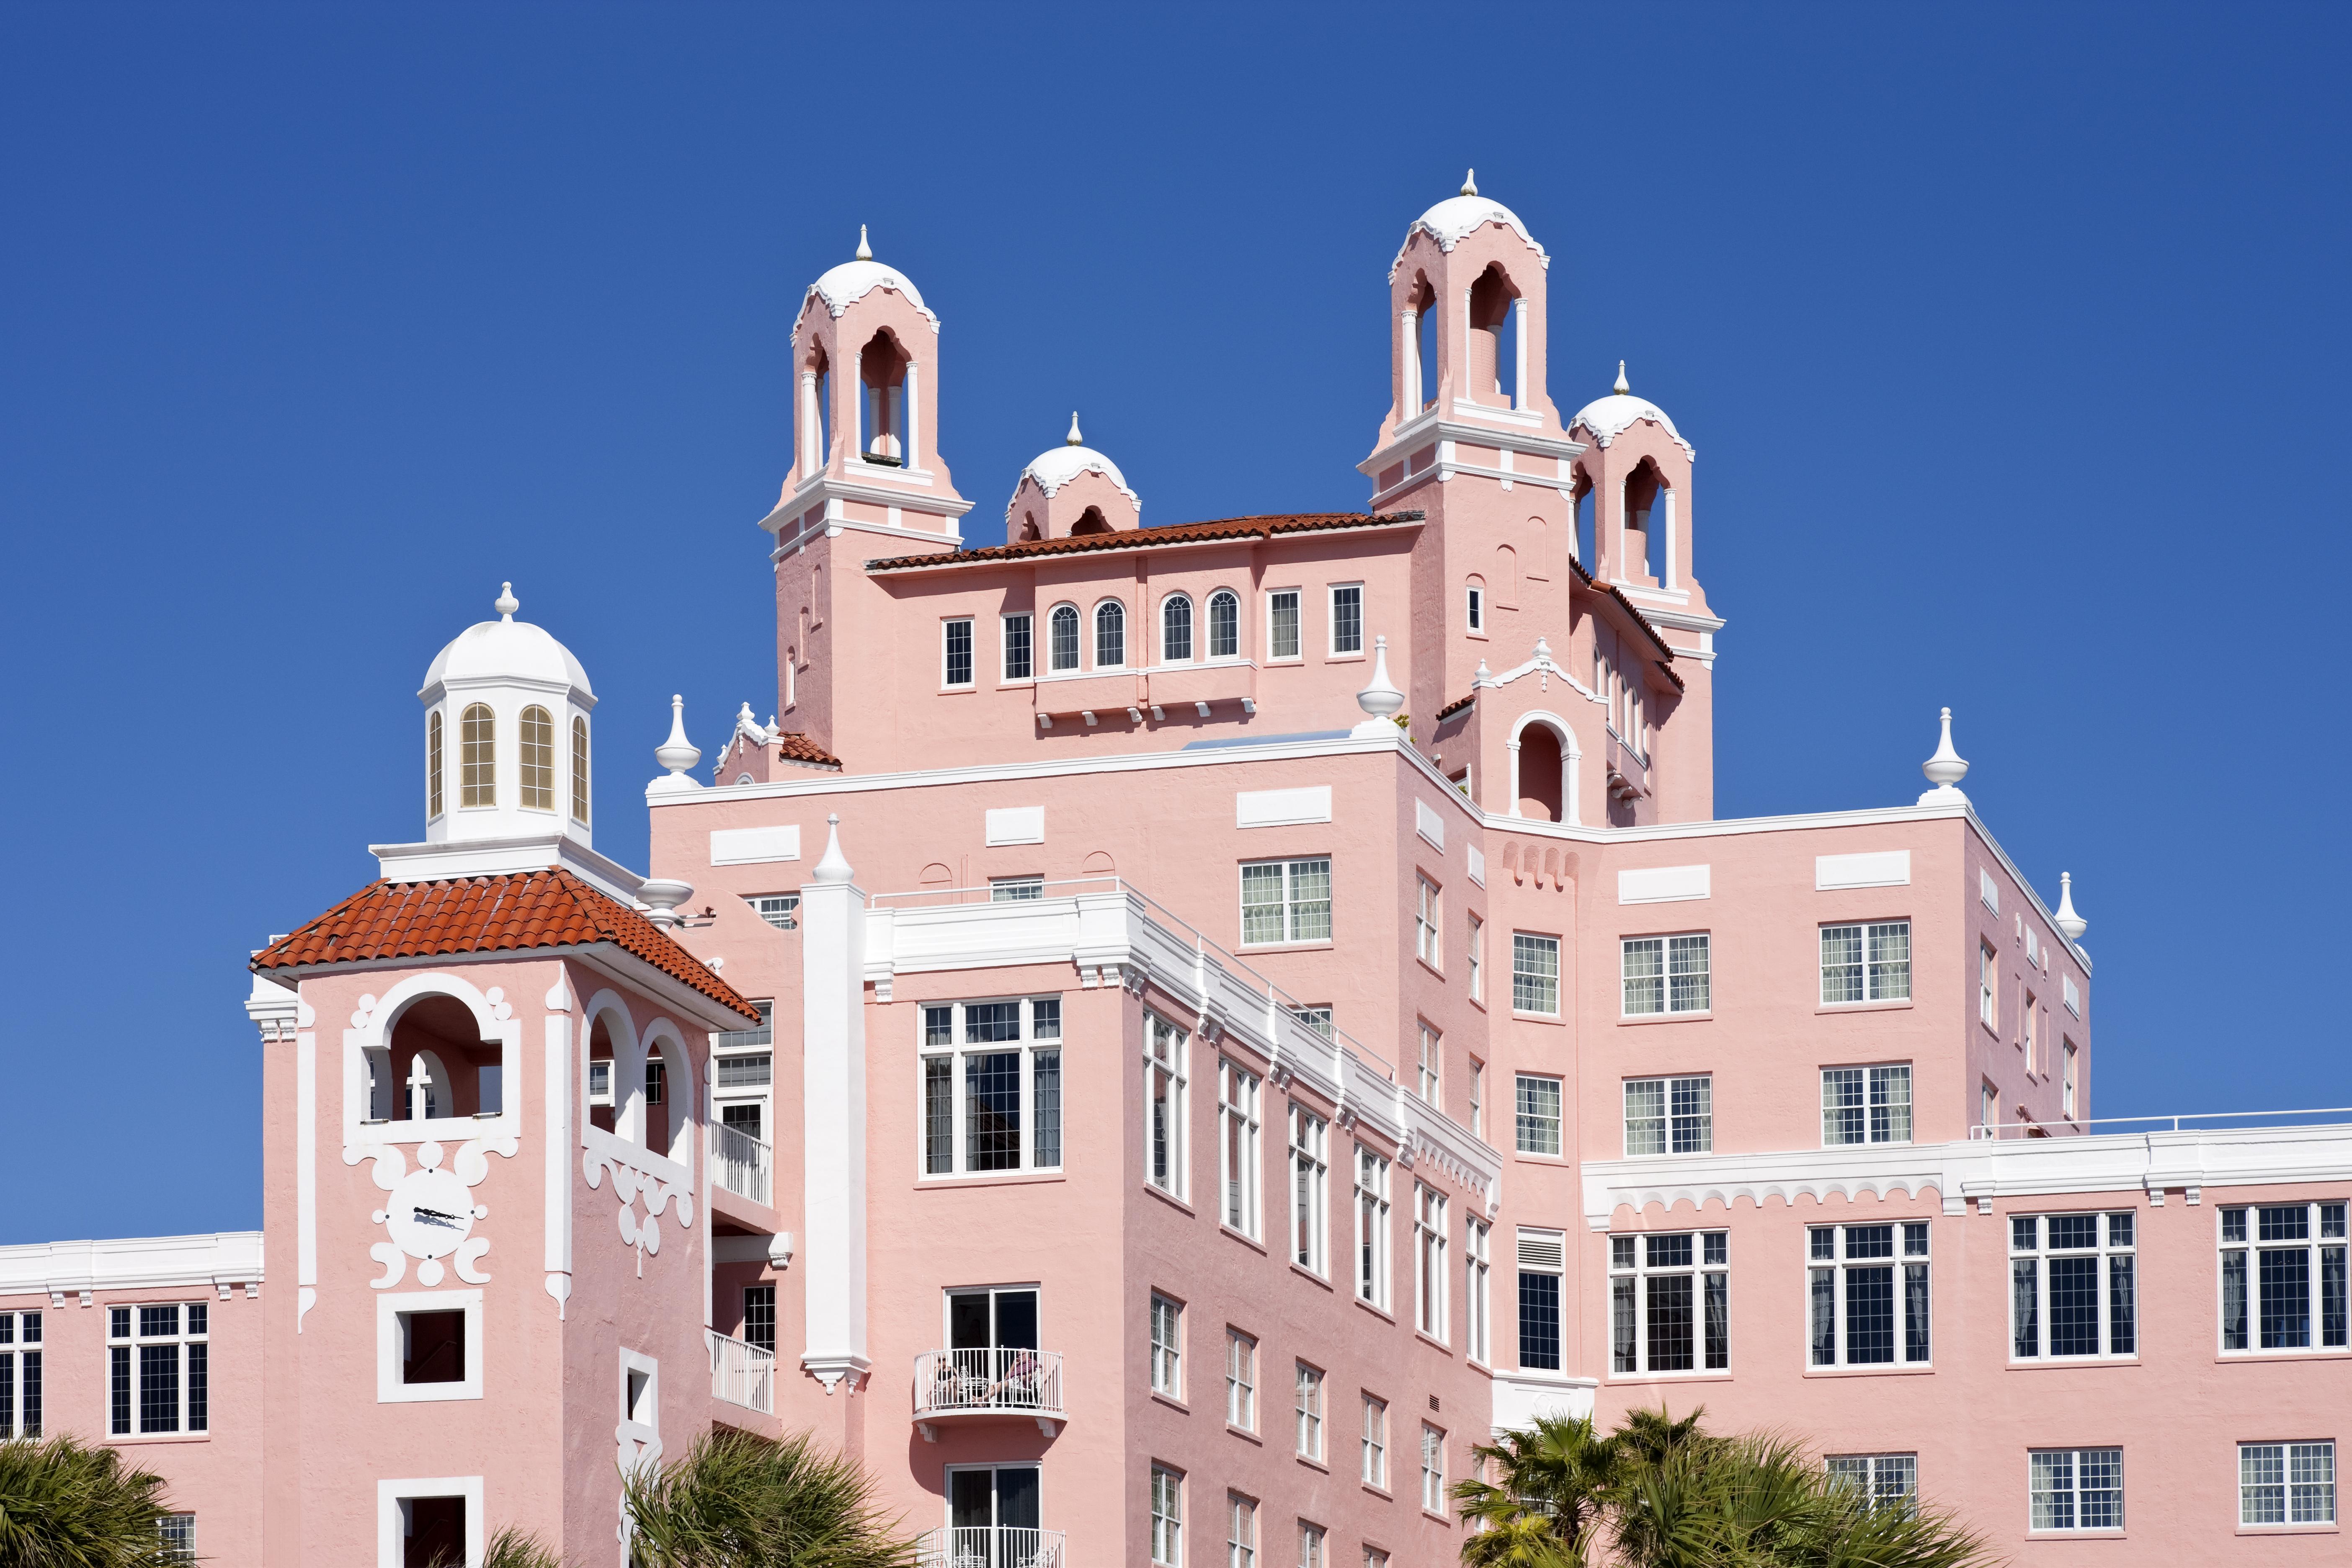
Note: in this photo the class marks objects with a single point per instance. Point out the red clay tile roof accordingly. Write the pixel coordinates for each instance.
(796, 747)
(1234, 528)
(1656, 637)
(1451, 708)
(521, 910)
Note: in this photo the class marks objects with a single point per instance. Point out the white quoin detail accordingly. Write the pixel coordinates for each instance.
(1381, 700)
(1945, 770)
(678, 753)
(2070, 925)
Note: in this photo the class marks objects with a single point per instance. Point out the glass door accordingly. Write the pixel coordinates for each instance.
(992, 1345)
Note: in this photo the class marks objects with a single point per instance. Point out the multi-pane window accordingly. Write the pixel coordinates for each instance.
(1433, 1468)
(1019, 658)
(1310, 1179)
(1477, 1097)
(1348, 618)
(1476, 608)
(1431, 1081)
(580, 771)
(1867, 1305)
(2025, 1032)
(1477, 959)
(1015, 889)
(433, 764)
(1543, 1260)
(2280, 1262)
(2286, 1483)
(2074, 1288)
(2077, 1489)
(759, 1317)
(1535, 974)
(1286, 901)
(1667, 974)
(1888, 1480)
(1426, 908)
(956, 654)
(1307, 1405)
(1538, 1114)
(1670, 1302)
(1240, 1531)
(477, 754)
(1311, 1545)
(1866, 1105)
(2066, 1106)
(1241, 1380)
(178, 1532)
(159, 1368)
(1282, 624)
(1167, 1517)
(1317, 1018)
(1167, 1348)
(1176, 630)
(1375, 1558)
(1224, 625)
(992, 1086)
(1237, 1145)
(1111, 635)
(1475, 1307)
(1866, 962)
(782, 911)
(20, 1375)
(538, 758)
(1164, 1121)
(1376, 1442)
(1669, 1116)
(1371, 1227)
(1062, 637)
(1428, 1280)
(1988, 1001)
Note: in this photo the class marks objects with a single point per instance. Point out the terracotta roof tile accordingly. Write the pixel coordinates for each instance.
(1451, 708)
(1143, 538)
(517, 912)
(795, 747)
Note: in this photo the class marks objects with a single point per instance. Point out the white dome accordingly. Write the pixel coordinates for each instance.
(507, 649)
(845, 285)
(1609, 418)
(1456, 217)
(1058, 466)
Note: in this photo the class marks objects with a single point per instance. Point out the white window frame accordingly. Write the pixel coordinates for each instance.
(1684, 1117)
(1191, 630)
(1167, 1516)
(1428, 920)
(1167, 1150)
(2301, 1504)
(1078, 641)
(1167, 1346)
(1477, 1097)
(1478, 1291)
(1888, 1480)
(1635, 1265)
(2115, 1260)
(1988, 986)
(1682, 990)
(1240, 1531)
(781, 910)
(1370, 1207)
(1430, 1282)
(179, 1533)
(2066, 1085)
(1307, 1408)
(1027, 621)
(1208, 628)
(1311, 1545)
(389, 1311)
(946, 653)
(1877, 976)
(391, 1538)
(2323, 1244)
(1432, 1470)
(1375, 1452)
(1528, 1000)
(1309, 1199)
(1831, 1264)
(1870, 1092)
(1527, 1114)
(1240, 1159)
(2035, 1472)
(1094, 636)
(1477, 959)
(1025, 888)
(1474, 608)
(1429, 1070)
(22, 1354)
(1298, 914)
(1331, 613)
(1273, 655)
(1241, 1380)
(133, 1341)
(1036, 1014)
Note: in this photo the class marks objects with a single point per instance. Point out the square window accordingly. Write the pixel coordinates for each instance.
(1286, 901)
(428, 1346)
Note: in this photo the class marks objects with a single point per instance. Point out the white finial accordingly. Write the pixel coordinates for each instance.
(1945, 770)
(660, 900)
(2070, 925)
(506, 605)
(1470, 183)
(1380, 700)
(835, 865)
(1074, 438)
(678, 753)
(1485, 677)
(1620, 389)
(865, 251)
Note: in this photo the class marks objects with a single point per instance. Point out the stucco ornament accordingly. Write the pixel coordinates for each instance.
(431, 1212)
(631, 1182)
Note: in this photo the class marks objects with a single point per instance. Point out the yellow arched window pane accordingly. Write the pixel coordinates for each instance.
(580, 771)
(538, 760)
(433, 764)
(477, 756)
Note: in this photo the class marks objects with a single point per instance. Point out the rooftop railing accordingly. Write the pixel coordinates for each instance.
(740, 1162)
(2187, 1121)
(990, 1546)
(742, 1374)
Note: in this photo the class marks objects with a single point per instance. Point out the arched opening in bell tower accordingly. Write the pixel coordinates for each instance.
(815, 435)
(1585, 508)
(1496, 328)
(1091, 520)
(1418, 377)
(1646, 511)
(882, 378)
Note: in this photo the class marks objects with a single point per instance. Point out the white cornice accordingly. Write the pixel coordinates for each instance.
(134, 1262)
(507, 856)
(824, 486)
(609, 958)
(1410, 437)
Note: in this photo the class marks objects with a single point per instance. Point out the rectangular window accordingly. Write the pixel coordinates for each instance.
(751, 1070)
(1866, 1105)
(2286, 1483)
(782, 911)
(2067, 1088)
(1475, 1306)
(1867, 1305)
(1286, 901)
(1015, 889)
(1348, 618)
(1538, 1114)
(1669, 1116)
(2282, 1277)
(1241, 1380)
(1667, 974)
(1311, 1545)
(1426, 943)
(1535, 974)
(20, 1375)
(1428, 1275)
(956, 656)
(1477, 1097)
(1477, 608)
(1376, 1442)
(1167, 1518)
(2077, 1489)
(1888, 1480)
(1309, 1409)
(1866, 962)
(1237, 1146)
(1282, 624)
(159, 1368)
(1310, 1179)
(1240, 1531)
(1432, 1469)
(991, 1084)
(1371, 1228)
(1165, 1124)
(1019, 658)
(1543, 1260)
(1167, 1348)
(759, 1317)
(2073, 1286)
(178, 1532)
(1317, 1018)
(1477, 959)
(1670, 1302)
(1431, 1081)
(1988, 1002)
(2025, 1034)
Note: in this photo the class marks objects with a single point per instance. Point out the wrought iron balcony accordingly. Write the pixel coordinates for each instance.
(962, 1384)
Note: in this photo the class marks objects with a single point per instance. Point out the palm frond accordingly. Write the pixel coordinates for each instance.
(68, 1504)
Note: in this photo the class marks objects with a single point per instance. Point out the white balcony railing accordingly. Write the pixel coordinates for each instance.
(1002, 1381)
(742, 1375)
(740, 1162)
(991, 1546)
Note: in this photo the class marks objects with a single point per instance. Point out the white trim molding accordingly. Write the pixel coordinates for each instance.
(390, 1541)
(389, 1388)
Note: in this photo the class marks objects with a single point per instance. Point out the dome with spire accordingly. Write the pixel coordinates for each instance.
(1611, 416)
(844, 286)
(1058, 466)
(506, 649)
(1457, 217)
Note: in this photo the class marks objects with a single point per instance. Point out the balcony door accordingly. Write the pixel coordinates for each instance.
(991, 1338)
(993, 1513)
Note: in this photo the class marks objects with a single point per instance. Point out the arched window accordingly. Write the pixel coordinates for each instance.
(477, 756)
(1418, 374)
(580, 771)
(1495, 322)
(1111, 635)
(1176, 630)
(432, 764)
(1646, 511)
(1064, 638)
(1224, 625)
(882, 371)
(538, 760)
(1091, 520)
(1028, 533)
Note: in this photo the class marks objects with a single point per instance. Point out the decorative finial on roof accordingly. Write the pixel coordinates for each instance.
(678, 753)
(1945, 770)
(865, 251)
(1381, 700)
(1620, 389)
(835, 865)
(506, 605)
(2070, 925)
(1470, 183)
(1074, 438)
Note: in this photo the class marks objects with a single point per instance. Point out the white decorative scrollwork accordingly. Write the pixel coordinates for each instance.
(630, 1182)
(431, 1212)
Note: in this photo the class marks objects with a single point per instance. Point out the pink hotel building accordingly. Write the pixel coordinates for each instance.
(1171, 1036)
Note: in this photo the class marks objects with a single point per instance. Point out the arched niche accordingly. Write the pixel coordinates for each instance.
(1544, 768)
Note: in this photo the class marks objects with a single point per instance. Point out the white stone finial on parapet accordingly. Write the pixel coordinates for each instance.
(506, 604)
(1381, 700)
(661, 898)
(865, 251)
(1483, 677)
(1470, 183)
(678, 753)
(2070, 925)
(1074, 438)
(835, 865)
(1621, 388)
(1945, 770)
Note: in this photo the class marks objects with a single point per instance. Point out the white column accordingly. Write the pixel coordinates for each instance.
(812, 426)
(1666, 556)
(833, 1112)
(1409, 398)
(1519, 353)
(557, 1082)
(912, 456)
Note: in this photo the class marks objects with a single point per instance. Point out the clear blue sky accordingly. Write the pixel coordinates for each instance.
(2011, 340)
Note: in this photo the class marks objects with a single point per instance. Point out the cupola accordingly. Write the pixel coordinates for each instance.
(1068, 490)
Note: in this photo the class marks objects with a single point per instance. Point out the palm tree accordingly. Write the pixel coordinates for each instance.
(1554, 1484)
(735, 1501)
(67, 1504)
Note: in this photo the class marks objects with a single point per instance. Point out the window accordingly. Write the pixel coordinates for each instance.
(1015, 889)
(1311, 1545)
(1111, 635)
(1240, 1531)
(985, 1498)
(1164, 1124)
(1167, 1517)
(1286, 901)
(1317, 1018)
(1477, 606)
(1474, 1305)
(1309, 1175)
(1667, 974)
(1988, 1107)
(1669, 1116)
(433, 764)
(1375, 1558)
(782, 911)
(1866, 962)
(1348, 618)
(1477, 959)
(1426, 908)
(579, 771)
(478, 762)
(179, 1533)
(1429, 1280)
(1176, 630)
(1477, 1097)
(1237, 1146)
(2072, 1286)
(1167, 1348)
(1535, 974)
(1866, 1105)
(1888, 1480)
(2077, 1489)
(2072, 997)
(1309, 1408)
(957, 654)
(537, 732)
(2270, 1280)
(759, 1317)
(656, 1082)
(1543, 1259)
(20, 1375)
(1670, 1302)
(1539, 1114)
(1062, 630)
(1988, 1009)
(2025, 1033)
(1376, 1442)
(1241, 1380)
(1432, 1469)
(992, 1086)
(1224, 625)
(1282, 624)
(1371, 1228)
(2068, 1086)
(431, 1347)
(1431, 1075)
(1867, 1308)
(2286, 1483)
(1019, 659)
(158, 1368)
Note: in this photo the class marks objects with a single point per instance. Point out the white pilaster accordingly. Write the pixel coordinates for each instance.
(558, 1085)
(833, 1109)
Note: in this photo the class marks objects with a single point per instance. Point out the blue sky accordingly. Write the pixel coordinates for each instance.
(2010, 339)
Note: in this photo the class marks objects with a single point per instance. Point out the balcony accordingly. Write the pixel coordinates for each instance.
(740, 1162)
(742, 1374)
(990, 1546)
(967, 1385)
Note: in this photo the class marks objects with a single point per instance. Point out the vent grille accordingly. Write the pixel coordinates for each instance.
(1543, 1251)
